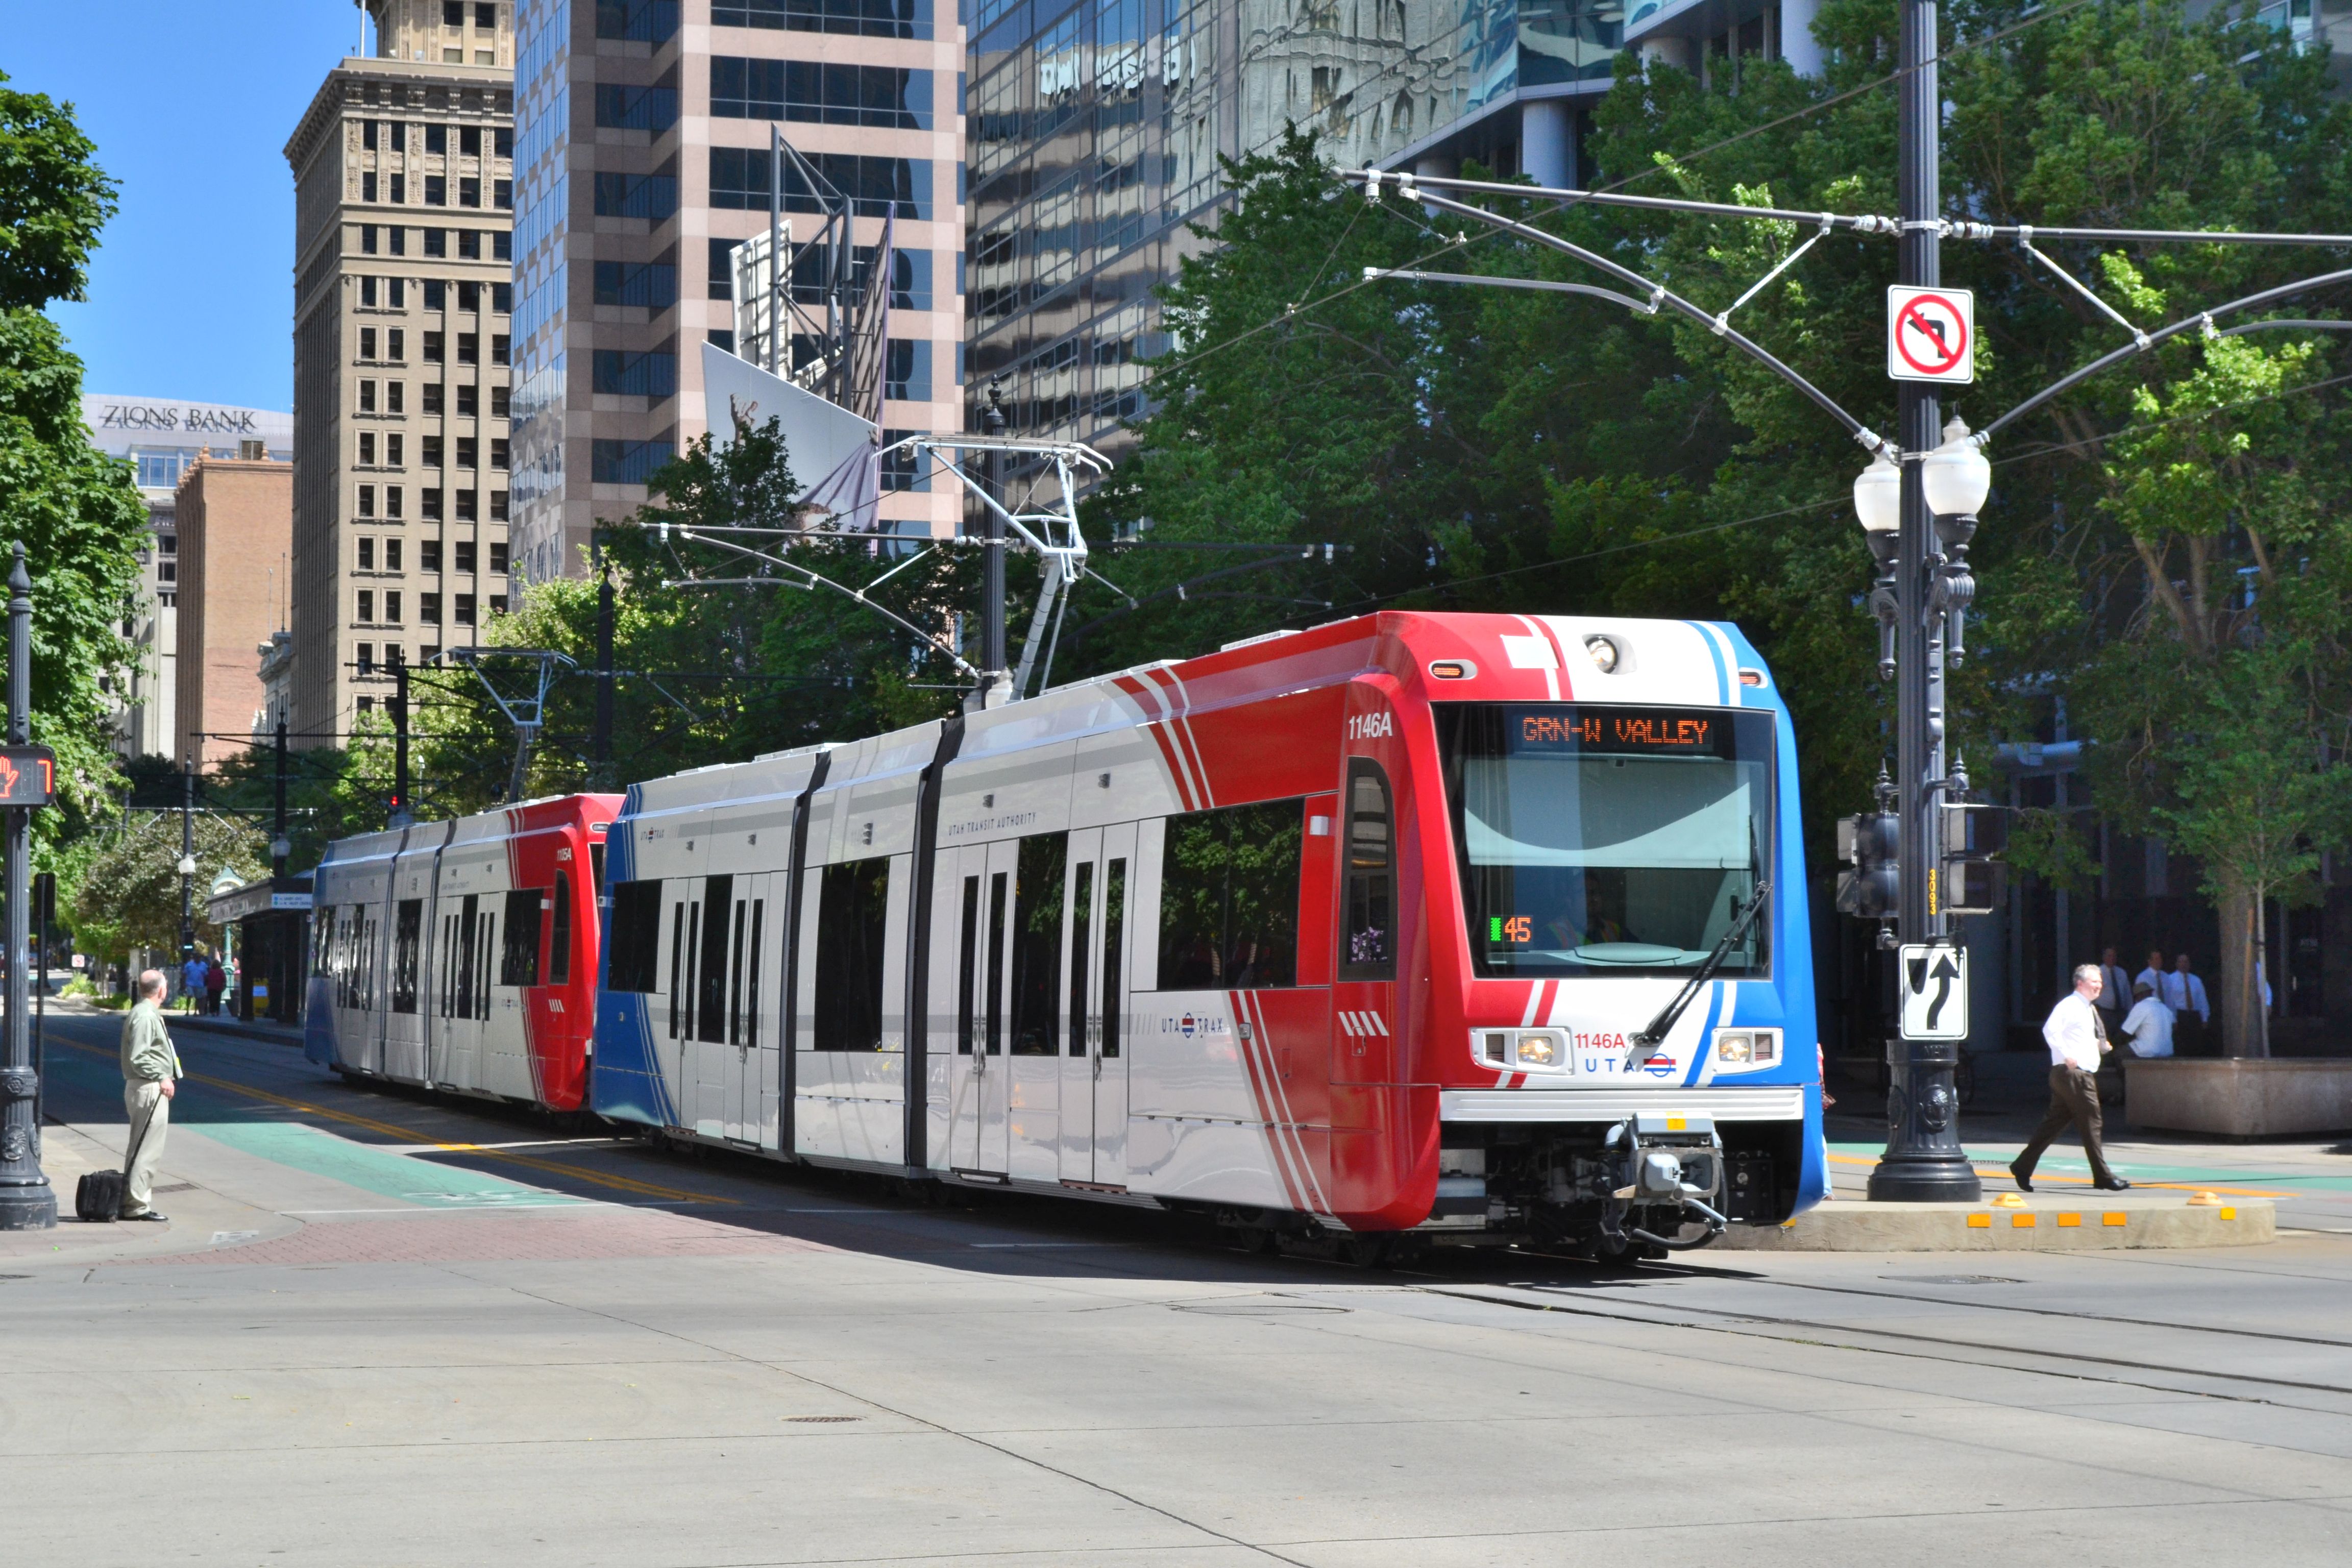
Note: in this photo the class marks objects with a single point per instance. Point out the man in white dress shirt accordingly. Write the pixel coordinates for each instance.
(2149, 1024)
(2153, 975)
(2115, 990)
(2184, 993)
(2077, 1038)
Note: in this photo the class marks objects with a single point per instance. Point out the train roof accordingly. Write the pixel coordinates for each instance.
(1506, 657)
(499, 822)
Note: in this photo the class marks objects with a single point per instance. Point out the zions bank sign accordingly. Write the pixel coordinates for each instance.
(165, 417)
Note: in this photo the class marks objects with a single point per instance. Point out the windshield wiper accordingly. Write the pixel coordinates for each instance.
(1649, 1038)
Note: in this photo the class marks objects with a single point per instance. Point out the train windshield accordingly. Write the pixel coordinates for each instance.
(1606, 839)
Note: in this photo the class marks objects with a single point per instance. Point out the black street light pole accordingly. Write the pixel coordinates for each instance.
(26, 1200)
(600, 752)
(1924, 1160)
(991, 641)
(280, 847)
(187, 860)
(402, 811)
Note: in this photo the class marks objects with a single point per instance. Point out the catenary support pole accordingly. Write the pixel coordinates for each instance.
(277, 829)
(402, 810)
(1924, 1160)
(992, 650)
(600, 754)
(187, 860)
(27, 1202)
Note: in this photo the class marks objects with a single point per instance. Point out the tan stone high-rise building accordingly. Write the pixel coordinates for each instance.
(404, 195)
(234, 517)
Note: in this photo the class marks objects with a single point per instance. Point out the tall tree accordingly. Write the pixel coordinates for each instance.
(75, 511)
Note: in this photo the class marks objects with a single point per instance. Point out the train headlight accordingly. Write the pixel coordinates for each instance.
(1540, 1051)
(1746, 1047)
(1603, 652)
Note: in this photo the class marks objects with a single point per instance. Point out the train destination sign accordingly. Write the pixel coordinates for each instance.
(1623, 731)
(28, 775)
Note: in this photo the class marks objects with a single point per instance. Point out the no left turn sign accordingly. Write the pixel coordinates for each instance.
(1931, 334)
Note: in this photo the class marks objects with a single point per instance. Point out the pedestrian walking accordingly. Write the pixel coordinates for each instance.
(192, 980)
(2077, 1039)
(2192, 1014)
(215, 981)
(2149, 1024)
(2115, 990)
(151, 1071)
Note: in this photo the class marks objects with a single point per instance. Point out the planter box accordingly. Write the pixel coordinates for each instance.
(2240, 1097)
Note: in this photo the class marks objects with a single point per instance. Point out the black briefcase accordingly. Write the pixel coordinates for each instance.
(97, 1196)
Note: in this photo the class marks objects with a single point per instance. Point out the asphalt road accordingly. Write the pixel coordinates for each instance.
(382, 1330)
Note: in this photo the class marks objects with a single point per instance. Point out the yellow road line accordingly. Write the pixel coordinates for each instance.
(1998, 1171)
(392, 1130)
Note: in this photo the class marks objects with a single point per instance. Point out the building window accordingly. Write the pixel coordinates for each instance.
(431, 457)
(367, 135)
(436, 294)
(392, 555)
(498, 557)
(431, 504)
(502, 297)
(467, 448)
(908, 374)
(469, 295)
(498, 403)
(499, 453)
(470, 191)
(432, 388)
(432, 347)
(367, 501)
(466, 506)
(392, 501)
(367, 397)
(436, 139)
(437, 191)
(498, 501)
(638, 21)
(464, 609)
(399, 191)
(367, 240)
(391, 450)
(502, 242)
(464, 555)
(428, 555)
(395, 344)
(903, 470)
(469, 245)
(452, 12)
(497, 603)
(626, 462)
(366, 553)
(469, 348)
(436, 242)
(396, 393)
(367, 187)
(367, 449)
(887, 96)
(627, 108)
(624, 373)
(868, 18)
(739, 179)
(502, 349)
(399, 240)
(469, 140)
(366, 706)
(367, 343)
(428, 609)
(392, 612)
(467, 394)
(650, 196)
(367, 617)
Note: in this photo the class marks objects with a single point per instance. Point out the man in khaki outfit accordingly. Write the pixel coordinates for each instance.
(149, 1065)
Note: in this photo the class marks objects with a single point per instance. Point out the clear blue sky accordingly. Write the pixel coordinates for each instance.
(190, 293)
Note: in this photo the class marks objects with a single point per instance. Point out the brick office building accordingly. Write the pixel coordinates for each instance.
(236, 518)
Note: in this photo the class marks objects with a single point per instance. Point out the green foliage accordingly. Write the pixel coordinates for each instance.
(75, 511)
(2048, 845)
(129, 894)
(710, 674)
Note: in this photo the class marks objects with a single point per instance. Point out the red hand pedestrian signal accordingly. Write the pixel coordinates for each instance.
(28, 775)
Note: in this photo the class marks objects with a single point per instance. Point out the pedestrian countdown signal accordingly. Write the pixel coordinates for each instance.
(1933, 982)
(1931, 335)
(28, 775)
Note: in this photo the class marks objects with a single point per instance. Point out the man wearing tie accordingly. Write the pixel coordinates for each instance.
(2114, 992)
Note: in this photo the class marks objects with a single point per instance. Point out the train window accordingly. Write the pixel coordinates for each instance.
(596, 866)
(634, 962)
(735, 975)
(518, 960)
(710, 993)
(1037, 887)
(996, 897)
(482, 969)
(1114, 937)
(1229, 898)
(1608, 839)
(469, 929)
(853, 908)
(1368, 941)
(751, 1035)
(676, 960)
(1082, 909)
(558, 940)
(967, 965)
(407, 939)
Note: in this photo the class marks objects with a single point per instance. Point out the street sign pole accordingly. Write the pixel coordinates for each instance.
(1924, 1160)
(27, 1201)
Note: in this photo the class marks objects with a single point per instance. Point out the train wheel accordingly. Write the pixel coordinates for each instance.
(1365, 1251)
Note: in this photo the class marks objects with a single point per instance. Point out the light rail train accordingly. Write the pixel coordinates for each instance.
(1455, 927)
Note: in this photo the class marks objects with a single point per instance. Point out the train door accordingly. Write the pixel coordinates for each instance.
(1364, 1050)
(747, 943)
(468, 935)
(1034, 944)
(1094, 968)
(968, 966)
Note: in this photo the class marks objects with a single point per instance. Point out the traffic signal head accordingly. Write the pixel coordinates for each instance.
(1869, 843)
